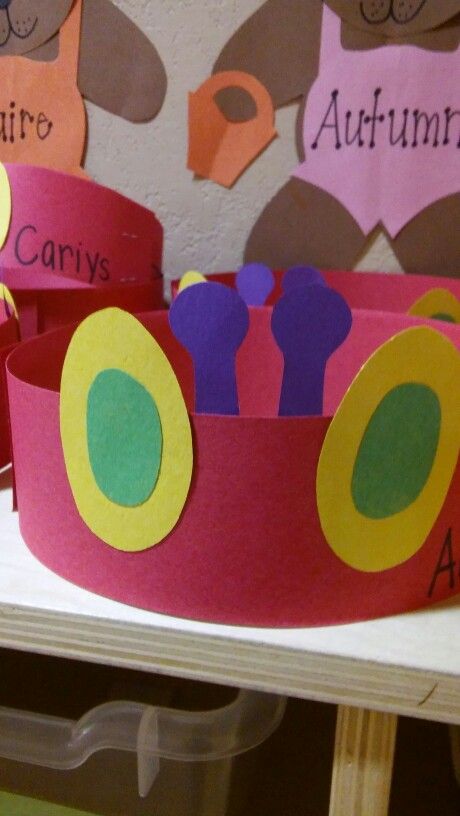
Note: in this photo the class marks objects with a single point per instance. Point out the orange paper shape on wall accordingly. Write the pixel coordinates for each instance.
(43, 121)
(221, 150)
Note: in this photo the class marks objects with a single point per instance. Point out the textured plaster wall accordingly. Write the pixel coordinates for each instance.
(206, 226)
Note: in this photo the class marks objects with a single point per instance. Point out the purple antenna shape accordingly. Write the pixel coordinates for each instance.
(255, 282)
(211, 322)
(302, 276)
(309, 323)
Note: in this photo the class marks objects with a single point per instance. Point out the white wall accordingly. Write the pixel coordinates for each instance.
(206, 226)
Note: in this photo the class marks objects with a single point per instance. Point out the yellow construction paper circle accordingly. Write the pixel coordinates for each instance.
(191, 279)
(437, 302)
(113, 339)
(5, 205)
(419, 355)
(6, 295)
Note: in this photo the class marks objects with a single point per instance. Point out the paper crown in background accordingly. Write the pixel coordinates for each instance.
(418, 295)
(255, 518)
(70, 247)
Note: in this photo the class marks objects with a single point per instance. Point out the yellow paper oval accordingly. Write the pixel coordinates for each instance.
(113, 339)
(437, 303)
(6, 295)
(5, 205)
(422, 356)
(191, 279)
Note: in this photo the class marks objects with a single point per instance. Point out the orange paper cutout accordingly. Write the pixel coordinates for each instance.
(221, 150)
(43, 121)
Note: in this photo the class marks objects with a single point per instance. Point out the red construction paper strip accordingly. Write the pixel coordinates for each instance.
(45, 309)
(74, 228)
(385, 292)
(9, 336)
(248, 548)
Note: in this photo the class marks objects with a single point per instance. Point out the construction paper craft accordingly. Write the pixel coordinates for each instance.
(9, 305)
(44, 119)
(43, 308)
(391, 451)
(190, 279)
(211, 322)
(302, 276)
(377, 144)
(130, 494)
(384, 292)
(5, 205)
(27, 25)
(391, 185)
(76, 229)
(9, 337)
(118, 68)
(255, 283)
(439, 304)
(395, 17)
(309, 324)
(248, 547)
(220, 149)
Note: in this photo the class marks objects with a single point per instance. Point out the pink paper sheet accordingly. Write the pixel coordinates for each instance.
(380, 134)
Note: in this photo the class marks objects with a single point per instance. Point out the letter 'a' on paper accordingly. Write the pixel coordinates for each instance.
(5, 205)
(125, 432)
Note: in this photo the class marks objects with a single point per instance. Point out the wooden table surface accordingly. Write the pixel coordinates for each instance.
(405, 665)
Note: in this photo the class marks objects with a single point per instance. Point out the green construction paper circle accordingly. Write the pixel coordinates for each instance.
(124, 438)
(397, 451)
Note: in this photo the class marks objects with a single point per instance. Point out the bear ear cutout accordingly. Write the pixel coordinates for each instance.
(125, 432)
(391, 452)
(30, 24)
(394, 18)
(119, 69)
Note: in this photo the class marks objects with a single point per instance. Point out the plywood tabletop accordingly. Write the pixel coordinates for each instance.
(408, 664)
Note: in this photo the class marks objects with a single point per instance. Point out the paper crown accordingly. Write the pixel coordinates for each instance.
(418, 295)
(253, 519)
(71, 247)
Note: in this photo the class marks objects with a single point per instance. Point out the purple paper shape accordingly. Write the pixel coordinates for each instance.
(255, 282)
(302, 276)
(309, 323)
(211, 322)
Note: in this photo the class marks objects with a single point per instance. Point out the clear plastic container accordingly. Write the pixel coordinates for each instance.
(132, 758)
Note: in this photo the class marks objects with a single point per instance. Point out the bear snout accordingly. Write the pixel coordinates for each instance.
(402, 11)
(376, 11)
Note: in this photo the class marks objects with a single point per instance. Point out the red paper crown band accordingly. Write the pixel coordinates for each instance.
(248, 545)
(74, 247)
(74, 228)
(406, 294)
(42, 310)
(9, 336)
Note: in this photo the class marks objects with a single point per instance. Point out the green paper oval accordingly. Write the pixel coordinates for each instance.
(397, 451)
(124, 438)
(447, 318)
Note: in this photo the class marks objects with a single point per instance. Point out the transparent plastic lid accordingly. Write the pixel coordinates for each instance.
(152, 732)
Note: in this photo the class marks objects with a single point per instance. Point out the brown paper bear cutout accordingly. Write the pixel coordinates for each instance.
(119, 68)
(280, 45)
